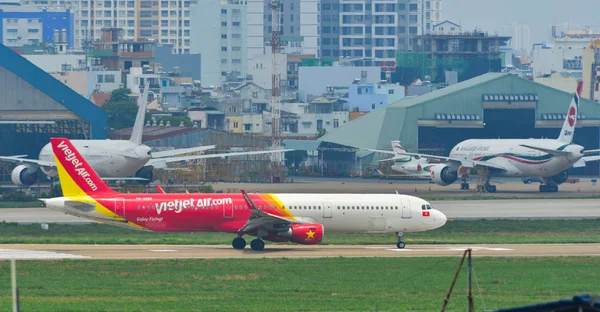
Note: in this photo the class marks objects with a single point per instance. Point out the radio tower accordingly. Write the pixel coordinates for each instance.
(276, 166)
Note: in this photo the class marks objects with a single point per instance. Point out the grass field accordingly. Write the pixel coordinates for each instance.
(454, 232)
(333, 284)
(12, 204)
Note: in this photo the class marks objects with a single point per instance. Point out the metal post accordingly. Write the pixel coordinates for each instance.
(470, 297)
(15, 291)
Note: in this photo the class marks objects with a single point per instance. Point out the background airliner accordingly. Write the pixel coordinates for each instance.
(545, 158)
(299, 218)
(114, 159)
(406, 165)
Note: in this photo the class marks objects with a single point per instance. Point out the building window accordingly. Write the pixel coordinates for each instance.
(372, 106)
(235, 124)
(391, 91)
(224, 49)
(247, 127)
(109, 78)
(100, 78)
(336, 123)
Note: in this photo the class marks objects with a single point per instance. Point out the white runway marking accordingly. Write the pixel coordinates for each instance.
(163, 250)
(7, 254)
(437, 249)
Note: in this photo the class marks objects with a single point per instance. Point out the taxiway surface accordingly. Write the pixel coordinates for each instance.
(454, 209)
(51, 251)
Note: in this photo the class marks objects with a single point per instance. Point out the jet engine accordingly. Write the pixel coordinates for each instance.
(24, 175)
(443, 175)
(412, 167)
(561, 177)
(145, 173)
(306, 234)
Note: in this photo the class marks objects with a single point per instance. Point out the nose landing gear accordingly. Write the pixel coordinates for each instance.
(400, 243)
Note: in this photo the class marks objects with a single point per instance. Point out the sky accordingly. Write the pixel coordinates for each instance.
(491, 15)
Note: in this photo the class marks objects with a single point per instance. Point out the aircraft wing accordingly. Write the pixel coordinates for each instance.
(546, 150)
(381, 151)
(181, 151)
(591, 151)
(18, 159)
(162, 162)
(462, 162)
(260, 218)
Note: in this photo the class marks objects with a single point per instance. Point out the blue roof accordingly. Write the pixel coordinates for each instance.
(581, 303)
(57, 91)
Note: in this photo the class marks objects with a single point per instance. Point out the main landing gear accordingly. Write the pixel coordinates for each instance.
(400, 243)
(483, 185)
(240, 243)
(549, 186)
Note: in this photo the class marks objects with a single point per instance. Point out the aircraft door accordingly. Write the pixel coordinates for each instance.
(327, 211)
(228, 211)
(406, 213)
(119, 207)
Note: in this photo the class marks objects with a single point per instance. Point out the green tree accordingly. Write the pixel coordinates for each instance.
(321, 133)
(120, 109)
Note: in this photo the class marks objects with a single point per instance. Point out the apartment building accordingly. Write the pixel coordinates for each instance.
(374, 28)
(219, 34)
(167, 21)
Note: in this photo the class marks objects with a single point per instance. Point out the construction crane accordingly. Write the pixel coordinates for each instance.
(276, 158)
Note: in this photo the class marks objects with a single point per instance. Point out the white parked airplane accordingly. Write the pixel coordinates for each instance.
(406, 165)
(114, 159)
(299, 218)
(545, 158)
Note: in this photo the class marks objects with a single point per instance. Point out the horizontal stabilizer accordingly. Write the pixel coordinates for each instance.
(591, 158)
(181, 151)
(123, 179)
(591, 151)
(547, 150)
(580, 163)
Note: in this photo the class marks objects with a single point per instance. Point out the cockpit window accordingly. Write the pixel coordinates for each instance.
(428, 207)
(423, 207)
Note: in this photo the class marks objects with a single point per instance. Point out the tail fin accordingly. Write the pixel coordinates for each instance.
(138, 125)
(397, 148)
(77, 177)
(568, 129)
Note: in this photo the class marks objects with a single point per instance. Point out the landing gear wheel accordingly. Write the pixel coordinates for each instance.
(238, 243)
(490, 188)
(464, 186)
(400, 245)
(257, 244)
(547, 188)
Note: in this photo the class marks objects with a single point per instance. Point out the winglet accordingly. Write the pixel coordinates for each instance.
(76, 176)
(249, 201)
(160, 189)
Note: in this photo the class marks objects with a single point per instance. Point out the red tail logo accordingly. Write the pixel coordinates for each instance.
(571, 116)
(77, 167)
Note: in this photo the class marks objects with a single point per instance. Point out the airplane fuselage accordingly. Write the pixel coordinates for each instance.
(520, 161)
(339, 213)
(107, 157)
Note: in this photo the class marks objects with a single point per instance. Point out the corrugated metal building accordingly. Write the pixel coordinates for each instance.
(493, 105)
(34, 107)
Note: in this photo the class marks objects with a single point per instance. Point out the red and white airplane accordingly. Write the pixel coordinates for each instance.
(299, 218)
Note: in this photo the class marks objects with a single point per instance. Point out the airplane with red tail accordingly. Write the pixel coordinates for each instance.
(298, 218)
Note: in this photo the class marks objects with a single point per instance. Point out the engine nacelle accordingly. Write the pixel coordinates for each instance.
(306, 234)
(24, 175)
(412, 167)
(443, 175)
(145, 173)
(561, 177)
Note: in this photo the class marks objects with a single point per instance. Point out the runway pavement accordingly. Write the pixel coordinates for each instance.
(454, 209)
(289, 251)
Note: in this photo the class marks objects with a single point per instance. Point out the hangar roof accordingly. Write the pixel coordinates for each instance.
(400, 120)
(53, 95)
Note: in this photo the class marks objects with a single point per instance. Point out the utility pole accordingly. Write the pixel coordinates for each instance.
(276, 158)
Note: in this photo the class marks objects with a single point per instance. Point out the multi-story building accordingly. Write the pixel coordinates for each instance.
(21, 25)
(165, 21)
(374, 29)
(219, 35)
(299, 26)
(470, 53)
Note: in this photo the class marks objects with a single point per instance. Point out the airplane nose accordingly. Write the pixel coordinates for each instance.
(442, 218)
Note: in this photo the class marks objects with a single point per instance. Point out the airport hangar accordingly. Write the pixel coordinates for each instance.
(493, 105)
(34, 106)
